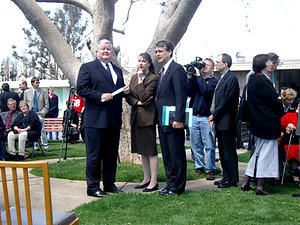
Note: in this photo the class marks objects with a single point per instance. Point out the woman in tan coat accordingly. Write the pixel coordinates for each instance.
(143, 133)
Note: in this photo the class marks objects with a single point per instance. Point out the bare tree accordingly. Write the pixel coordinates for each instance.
(173, 22)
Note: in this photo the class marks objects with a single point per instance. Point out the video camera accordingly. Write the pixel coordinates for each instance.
(198, 63)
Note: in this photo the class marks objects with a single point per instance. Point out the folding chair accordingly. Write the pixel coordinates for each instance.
(17, 215)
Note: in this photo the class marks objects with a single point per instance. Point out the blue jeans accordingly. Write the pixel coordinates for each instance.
(50, 135)
(201, 137)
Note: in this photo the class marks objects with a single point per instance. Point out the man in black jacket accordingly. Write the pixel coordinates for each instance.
(96, 82)
(5, 95)
(224, 112)
(171, 91)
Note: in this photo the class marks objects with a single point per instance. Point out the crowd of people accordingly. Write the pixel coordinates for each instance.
(217, 112)
(215, 105)
(23, 115)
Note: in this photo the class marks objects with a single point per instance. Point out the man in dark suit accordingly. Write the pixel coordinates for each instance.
(9, 116)
(102, 119)
(5, 95)
(224, 112)
(171, 91)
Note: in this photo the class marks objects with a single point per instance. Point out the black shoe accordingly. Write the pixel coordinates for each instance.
(219, 181)
(296, 195)
(227, 184)
(295, 172)
(97, 194)
(20, 158)
(167, 193)
(263, 192)
(246, 187)
(113, 189)
(165, 190)
(11, 157)
(155, 188)
(141, 186)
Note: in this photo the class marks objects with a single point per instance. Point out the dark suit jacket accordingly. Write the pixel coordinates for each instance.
(94, 80)
(4, 96)
(53, 107)
(4, 116)
(265, 109)
(142, 115)
(171, 91)
(226, 102)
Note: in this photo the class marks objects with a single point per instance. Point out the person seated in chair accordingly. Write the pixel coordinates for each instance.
(26, 126)
(9, 116)
(70, 122)
(2, 128)
(289, 145)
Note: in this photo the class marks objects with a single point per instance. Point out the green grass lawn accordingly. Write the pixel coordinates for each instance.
(226, 206)
(230, 206)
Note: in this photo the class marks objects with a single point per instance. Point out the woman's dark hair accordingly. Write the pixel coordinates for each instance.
(259, 62)
(147, 56)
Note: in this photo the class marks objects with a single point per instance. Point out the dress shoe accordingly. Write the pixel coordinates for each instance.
(219, 181)
(211, 175)
(98, 194)
(141, 186)
(20, 158)
(261, 192)
(113, 189)
(227, 184)
(155, 188)
(246, 187)
(167, 193)
(11, 157)
(165, 190)
(296, 195)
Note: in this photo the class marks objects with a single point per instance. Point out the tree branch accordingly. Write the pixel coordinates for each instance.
(53, 40)
(173, 22)
(83, 4)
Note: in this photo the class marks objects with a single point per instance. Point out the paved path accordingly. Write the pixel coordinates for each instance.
(69, 194)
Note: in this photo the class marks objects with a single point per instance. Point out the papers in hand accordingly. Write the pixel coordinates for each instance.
(114, 93)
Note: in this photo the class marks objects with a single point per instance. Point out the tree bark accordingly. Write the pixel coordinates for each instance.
(54, 41)
(173, 23)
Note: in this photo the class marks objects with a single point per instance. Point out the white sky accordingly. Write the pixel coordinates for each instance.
(218, 26)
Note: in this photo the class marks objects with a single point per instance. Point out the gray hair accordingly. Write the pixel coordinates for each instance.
(11, 100)
(104, 41)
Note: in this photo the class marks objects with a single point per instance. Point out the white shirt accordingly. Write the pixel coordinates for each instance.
(113, 73)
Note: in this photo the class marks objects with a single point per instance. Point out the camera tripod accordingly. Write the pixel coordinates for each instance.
(66, 126)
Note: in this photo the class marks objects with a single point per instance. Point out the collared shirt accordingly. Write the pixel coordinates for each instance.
(113, 73)
(166, 66)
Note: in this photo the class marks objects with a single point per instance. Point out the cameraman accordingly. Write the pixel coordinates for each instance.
(201, 86)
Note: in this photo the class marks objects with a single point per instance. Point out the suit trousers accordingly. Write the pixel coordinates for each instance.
(174, 158)
(101, 154)
(228, 155)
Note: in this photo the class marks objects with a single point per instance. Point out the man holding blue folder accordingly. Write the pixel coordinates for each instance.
(171, 91)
